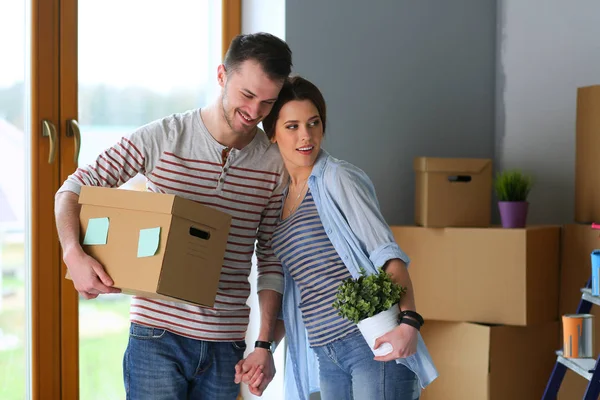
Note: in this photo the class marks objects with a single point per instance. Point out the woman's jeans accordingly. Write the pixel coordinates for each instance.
(159, 365)
(348, 372)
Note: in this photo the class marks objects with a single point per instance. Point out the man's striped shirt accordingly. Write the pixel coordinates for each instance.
(179, 156)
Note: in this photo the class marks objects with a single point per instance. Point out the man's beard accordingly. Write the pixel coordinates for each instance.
(229, 119)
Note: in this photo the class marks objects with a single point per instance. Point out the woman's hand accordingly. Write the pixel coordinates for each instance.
(403, 338)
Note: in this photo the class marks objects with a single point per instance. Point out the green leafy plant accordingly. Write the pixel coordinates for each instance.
(512, 185)
(366, 296)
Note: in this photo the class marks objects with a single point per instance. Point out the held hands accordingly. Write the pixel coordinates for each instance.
(257, 370)
(89, 277)
(403, 338)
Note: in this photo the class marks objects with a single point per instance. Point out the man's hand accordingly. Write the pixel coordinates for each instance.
(257, 370)
(89, 277)
(403, 338)
(256, 376)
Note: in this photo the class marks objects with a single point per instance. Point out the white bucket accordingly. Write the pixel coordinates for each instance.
(378, 325)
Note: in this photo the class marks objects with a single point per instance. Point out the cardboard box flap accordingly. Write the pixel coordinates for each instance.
(154, 202)
(451, 165)
(126, 199)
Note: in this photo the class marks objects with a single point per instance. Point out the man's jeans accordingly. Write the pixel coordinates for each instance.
(159, 365)
(348, 372)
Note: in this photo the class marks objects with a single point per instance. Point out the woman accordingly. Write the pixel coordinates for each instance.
(330, 225)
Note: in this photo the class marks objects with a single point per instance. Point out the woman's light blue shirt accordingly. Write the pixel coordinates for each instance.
(349, 210)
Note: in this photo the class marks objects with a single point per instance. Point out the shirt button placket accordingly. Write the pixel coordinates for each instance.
(228, 160)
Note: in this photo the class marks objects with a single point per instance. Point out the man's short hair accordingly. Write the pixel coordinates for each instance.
(272, 53)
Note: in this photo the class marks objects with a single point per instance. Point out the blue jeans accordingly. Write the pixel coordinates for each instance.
(348, 372)
(159, 365)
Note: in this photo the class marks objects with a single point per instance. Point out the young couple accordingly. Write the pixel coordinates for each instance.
(315, 221)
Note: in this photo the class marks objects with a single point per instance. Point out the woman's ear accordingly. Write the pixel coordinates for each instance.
(273, 139)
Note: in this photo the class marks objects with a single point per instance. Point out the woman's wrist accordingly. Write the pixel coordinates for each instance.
(412, 318)
(410, 322)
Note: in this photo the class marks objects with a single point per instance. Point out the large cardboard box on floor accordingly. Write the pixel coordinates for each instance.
(155, 245)
(453, 191)
(577, 243)
(491, 275)
(587, 146)
(481, 362)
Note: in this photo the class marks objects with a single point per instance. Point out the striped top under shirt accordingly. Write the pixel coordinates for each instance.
(305, 251)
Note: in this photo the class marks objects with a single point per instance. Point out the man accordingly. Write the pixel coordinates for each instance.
(216, 156)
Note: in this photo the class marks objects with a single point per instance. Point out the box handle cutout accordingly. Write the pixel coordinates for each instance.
(459, 178)
(199, 233)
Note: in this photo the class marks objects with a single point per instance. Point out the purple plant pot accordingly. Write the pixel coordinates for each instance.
(513, 213)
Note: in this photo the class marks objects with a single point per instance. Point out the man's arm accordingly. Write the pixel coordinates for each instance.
(270, 290)
(260, 362)
(89, 277)
(279, 331)
(269, 270)
(113, 167)
(270, 304)
(258, 369)
(254, 376)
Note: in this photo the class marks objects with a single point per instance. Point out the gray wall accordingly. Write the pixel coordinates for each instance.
(546, 49)
(402, 79)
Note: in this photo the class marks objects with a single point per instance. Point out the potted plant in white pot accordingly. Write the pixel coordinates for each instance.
(372, 303)
(512, 188)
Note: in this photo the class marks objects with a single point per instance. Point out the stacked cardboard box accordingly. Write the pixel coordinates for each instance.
(578, 238)
(489, 295)
(587, 144)
(452, 191)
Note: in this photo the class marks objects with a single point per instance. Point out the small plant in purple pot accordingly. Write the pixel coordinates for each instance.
(512, 189)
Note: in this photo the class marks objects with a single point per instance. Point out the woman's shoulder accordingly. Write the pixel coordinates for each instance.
(341, 171)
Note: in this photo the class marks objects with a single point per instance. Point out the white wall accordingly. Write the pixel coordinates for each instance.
(263, 16)
(546, 49)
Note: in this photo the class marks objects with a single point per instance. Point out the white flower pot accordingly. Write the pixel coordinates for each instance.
(378, 325)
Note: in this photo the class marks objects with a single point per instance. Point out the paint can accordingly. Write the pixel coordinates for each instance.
(595, 273)
(578, 335)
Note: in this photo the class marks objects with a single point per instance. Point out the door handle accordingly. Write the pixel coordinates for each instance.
(74, 132)
(49, 131)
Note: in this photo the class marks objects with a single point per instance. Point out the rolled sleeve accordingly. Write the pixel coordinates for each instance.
(70, 186)
(387, 252)
(355, 196)
(270, 282)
